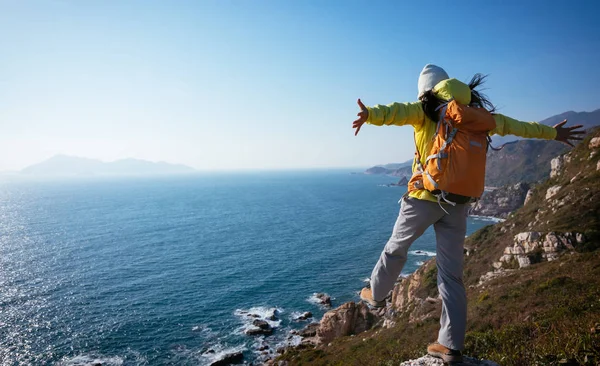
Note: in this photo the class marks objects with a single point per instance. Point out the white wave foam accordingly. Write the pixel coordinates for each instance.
(260, 313)
(313, 299)
(91, 360)
(366, 280)
(422, 252)
(420, 263)
(486, 218)
(204, 330)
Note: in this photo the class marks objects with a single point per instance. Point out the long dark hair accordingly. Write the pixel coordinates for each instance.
(430, 102)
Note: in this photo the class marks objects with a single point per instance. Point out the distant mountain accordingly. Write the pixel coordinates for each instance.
(63, 165)
(394, 169)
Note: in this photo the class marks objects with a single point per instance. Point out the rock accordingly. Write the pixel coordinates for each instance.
(598, 165)
(263, 347)
(309, 331)
(253, 315)
(261, 324)
(557, 165)
(324, 299)
(348, 319)
(576, 177)
(524, 261)
(528, 196)
(495, 274)
(260, 331)
(532, 247)
(406, 296)
(432, 361)
(273, 315)
(552, 191)
(594, 143)
(305, 316)
(228, 359)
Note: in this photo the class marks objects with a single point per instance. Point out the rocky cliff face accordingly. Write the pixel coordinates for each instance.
(502, 201)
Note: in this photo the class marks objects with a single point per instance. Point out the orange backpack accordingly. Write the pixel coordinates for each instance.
(454, 170)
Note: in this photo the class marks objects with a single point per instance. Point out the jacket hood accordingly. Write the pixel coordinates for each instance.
(453, 88)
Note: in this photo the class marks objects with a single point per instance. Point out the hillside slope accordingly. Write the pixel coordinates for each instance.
(533, 286)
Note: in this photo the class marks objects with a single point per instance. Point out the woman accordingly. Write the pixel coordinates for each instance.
(421, 209)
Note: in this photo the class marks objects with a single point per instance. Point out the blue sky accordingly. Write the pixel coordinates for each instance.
(228, 85)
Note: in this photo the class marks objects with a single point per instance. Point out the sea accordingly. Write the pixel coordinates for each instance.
(174, 270)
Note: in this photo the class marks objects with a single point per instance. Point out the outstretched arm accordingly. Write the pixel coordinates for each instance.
(398, 114)
(510, 126)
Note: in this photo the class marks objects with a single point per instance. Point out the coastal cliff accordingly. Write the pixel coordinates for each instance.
(533, 287)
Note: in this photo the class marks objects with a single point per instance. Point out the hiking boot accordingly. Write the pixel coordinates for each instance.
(367, 296)
(446, 354)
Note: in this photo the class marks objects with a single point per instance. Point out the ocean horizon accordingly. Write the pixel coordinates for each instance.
(169, 270)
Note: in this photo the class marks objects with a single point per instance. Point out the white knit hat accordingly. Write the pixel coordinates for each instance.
(430, 76)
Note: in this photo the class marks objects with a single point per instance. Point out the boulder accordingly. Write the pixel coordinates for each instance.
(306, 315)
(260, 331)
(324, 299)
(528, 197)
(556, 166)
(230, 358)
(552, 191)
(594, 143)
(261, 324)
(348, 319)
(309, 331)
(273, 315)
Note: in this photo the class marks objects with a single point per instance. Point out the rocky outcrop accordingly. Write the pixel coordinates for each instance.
(304, 316)
(417, 294)
(308, 331)
(502, 201)
(324, 299)
(557, 165)
(534, 247)
(552, 191)
(229, 359)
(528, 197)
(432, 361)
(350, 318)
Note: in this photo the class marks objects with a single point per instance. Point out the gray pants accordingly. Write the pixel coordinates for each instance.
(414, 218)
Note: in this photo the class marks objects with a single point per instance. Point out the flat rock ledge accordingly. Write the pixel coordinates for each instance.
(431, 361)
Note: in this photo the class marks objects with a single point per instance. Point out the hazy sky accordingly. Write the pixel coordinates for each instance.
(270, 84)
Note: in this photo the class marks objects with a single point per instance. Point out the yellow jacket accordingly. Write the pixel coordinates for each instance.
(401, 114)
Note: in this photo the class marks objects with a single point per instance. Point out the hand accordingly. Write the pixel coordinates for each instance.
(362, 117)
(565, 134)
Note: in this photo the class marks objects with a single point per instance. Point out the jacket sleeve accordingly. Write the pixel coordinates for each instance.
(398, 114)
(510, 126)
